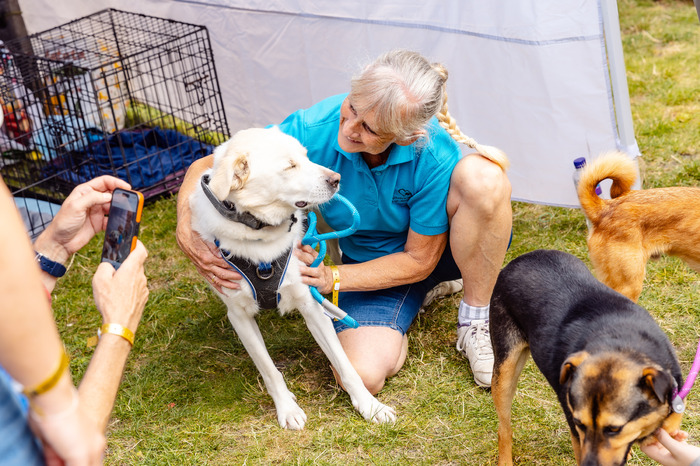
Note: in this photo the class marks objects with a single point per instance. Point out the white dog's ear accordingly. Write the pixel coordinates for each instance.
(230, 175)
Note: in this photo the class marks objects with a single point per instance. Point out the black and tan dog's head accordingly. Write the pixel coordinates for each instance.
(614, 399)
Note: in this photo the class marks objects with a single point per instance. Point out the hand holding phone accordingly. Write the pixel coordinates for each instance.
(122, 226)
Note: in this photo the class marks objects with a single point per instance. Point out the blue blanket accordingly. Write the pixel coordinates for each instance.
(142, 157)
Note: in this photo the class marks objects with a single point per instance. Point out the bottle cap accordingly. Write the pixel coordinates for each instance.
(579, 162)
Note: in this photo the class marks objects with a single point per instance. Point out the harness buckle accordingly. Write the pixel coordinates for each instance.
(264, 272)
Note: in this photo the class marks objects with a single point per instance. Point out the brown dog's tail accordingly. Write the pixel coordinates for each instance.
(614, 165)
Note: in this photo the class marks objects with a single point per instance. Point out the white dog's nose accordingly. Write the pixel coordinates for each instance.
(333, 180)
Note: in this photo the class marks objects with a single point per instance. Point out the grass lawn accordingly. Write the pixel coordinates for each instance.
(191, 394)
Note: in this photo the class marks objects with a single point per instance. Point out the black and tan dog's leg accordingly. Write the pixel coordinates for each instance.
(507, 369)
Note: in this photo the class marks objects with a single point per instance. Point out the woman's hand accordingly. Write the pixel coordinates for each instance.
(81, 216)
(204, 255)
(319, 277)
(671, 451)
(70, 436)
(121, 295)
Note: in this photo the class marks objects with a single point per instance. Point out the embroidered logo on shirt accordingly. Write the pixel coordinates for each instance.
(401, 196)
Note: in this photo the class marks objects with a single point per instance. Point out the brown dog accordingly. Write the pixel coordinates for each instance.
(634, 226)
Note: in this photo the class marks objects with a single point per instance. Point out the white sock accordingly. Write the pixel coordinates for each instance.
(467, 313)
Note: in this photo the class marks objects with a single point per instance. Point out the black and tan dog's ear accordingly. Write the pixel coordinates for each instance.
(659, 383)
(230, 175)
(570, 365)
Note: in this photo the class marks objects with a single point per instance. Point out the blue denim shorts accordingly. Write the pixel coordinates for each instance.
(17, 442)
(395, 307)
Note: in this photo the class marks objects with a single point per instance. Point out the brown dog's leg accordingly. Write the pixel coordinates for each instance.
(505, 382)
(620, 265)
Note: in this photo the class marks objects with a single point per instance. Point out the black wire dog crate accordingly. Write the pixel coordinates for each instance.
(116, 93)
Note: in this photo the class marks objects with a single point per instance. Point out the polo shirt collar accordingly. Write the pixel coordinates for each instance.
(398, 154)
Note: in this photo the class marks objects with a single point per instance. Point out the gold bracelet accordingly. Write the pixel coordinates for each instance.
(37, 413)
(114, 329)
(336, 283)
(51, 381)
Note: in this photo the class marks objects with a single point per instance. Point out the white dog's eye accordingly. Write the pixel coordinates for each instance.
(292, 165)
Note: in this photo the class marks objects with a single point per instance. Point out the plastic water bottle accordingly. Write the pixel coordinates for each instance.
(579, 163)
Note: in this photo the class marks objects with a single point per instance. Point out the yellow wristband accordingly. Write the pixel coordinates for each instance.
(51, 381)
(114, 329)
(336, 283)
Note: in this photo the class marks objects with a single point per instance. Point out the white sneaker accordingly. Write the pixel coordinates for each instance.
(440, 290)
(474, 342)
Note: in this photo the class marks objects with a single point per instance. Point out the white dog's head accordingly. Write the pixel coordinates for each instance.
(267, 173)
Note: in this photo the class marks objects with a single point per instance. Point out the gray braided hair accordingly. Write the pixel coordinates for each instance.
(406, 90)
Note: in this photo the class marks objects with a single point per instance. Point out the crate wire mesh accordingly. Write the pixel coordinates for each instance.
(117, 93)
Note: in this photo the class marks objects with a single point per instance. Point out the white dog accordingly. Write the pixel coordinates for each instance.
(250, 204)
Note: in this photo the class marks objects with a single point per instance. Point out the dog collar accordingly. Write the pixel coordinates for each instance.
(229, 211)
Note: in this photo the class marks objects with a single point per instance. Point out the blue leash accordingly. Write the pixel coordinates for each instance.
(313, 238)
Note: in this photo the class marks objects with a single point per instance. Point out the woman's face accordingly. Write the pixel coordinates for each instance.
(359, 132)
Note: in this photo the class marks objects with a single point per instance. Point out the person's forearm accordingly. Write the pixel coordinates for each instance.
(384, 272)
(53, 251)
(30, 347)
(120, 297)
(189, 184)
(99, 386)
(415, 263)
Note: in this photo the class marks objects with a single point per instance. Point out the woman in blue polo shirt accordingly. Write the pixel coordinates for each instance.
(395, 146)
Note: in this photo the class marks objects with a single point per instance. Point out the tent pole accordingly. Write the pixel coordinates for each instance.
(618, 80)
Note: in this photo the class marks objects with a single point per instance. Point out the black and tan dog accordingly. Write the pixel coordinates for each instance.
(635, 226)
(612, 367)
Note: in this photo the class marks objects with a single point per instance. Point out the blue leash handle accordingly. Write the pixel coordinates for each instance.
(313, 238)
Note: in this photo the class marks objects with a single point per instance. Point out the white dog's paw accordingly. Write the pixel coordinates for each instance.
(376, 412)
(291, 416)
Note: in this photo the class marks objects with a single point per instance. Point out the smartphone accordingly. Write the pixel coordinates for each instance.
(122, 226)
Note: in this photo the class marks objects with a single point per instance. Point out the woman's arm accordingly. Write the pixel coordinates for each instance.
(120, 296)
(418, 259)
(204, 255)
(31, 349)
(81, 216)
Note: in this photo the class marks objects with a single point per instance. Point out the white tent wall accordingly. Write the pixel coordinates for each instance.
(533, 77)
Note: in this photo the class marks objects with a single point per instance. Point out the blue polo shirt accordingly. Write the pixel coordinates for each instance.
(409, 190)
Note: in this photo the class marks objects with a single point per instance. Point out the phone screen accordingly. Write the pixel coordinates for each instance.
(122, 226)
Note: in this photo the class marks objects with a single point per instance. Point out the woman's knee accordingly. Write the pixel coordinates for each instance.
(373, 377)
(480, 184)
(376, 353)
